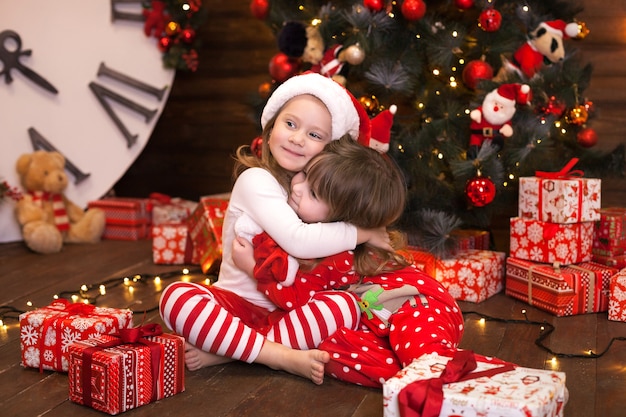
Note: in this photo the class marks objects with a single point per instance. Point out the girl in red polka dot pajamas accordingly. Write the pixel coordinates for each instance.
(405, 313)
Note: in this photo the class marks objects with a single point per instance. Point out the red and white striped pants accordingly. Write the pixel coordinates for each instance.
(221, 322)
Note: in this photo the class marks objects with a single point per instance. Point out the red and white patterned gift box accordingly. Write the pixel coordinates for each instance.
(205, 228)
(517, 392)
(566, 243)
(563, 291)
(614, 261)
(559, 199)
(170, 210)
(617, 296)
(46, 333)
(471, 239)
(113, 375)
(609, 237)
(126, 218)
(472, 275)
(172, 245)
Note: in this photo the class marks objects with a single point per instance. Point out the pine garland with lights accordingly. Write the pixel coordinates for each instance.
(436, 60)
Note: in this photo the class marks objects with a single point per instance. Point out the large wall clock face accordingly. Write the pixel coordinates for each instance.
(110, 86)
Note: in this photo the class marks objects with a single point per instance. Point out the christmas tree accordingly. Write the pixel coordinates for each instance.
(439, 62)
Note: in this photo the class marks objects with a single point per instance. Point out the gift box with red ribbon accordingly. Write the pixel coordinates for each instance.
(560, 197)
(205, 228)
(118, 373)
(172, 245)
(609, 237)
(566, 243)
(170, 210)
(46, 333)
(560, 290)
(617, 296)
(473, 385)
(126, 218)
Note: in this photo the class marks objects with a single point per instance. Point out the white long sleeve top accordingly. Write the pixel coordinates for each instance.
(258, 194)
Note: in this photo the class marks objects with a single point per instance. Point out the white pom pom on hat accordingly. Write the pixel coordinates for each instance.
(347, 115)
(559, 27)
(515, 93)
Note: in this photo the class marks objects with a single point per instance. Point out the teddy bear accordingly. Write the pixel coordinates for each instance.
(543, 47)
(492, 120)
(47, 217)
(306, 43)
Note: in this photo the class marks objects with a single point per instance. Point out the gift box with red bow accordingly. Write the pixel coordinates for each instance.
(617, 296)
(126, 218)
(116, 374)
(46, 333)
(205, 228)
(560, 197)
(560, 290)
(566, 243)
(473, 385)
(170, 210)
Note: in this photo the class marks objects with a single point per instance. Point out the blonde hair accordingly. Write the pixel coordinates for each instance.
(366, 189)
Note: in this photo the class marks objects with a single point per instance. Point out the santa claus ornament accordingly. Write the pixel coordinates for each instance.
(381, 129)
(492, 121)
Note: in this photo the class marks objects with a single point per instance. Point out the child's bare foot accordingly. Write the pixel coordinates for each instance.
(196, 359)
(305, 363)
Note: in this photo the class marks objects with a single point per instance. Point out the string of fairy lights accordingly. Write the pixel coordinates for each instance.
(92, 293)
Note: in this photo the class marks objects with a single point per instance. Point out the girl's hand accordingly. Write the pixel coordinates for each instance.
(375, 237)
(243, 255)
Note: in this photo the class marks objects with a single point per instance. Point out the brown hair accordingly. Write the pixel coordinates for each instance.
(245, 158)
(364, 188)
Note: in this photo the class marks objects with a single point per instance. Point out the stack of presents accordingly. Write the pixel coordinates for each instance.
(567, 256)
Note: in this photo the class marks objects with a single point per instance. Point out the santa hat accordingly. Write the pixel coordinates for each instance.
(515, 93)
(348, 116)
(559, 27)
(381, 129)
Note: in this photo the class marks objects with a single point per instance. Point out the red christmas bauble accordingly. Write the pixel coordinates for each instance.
(480, 191)
(587, 137)
(475, 71)
(374, 5)
(413, 9)
(283, 67)
(188, 35)
(260, 9)
(164, 44)
(490, 20)
(464, 4)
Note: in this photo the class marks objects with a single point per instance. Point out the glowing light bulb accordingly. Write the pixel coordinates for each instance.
(103, 290)
(29, 303)
(185, 271)
(83, 287)
(74, 298)
(482, 321)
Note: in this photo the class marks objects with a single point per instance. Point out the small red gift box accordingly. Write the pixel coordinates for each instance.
(617, 296)
(170, 210)
(566, 243)
(609, 237)
(559, 197)
(116, 374)
(205, 228)
(562, 291)
(172, 245)
(46, 333)
(126, 218)
(471, 239)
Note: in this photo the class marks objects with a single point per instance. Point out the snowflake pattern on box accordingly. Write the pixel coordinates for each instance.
(171, 245)
(617, 296)
(46, 333)
(538, 241)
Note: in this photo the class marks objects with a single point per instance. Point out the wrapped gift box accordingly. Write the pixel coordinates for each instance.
(205, 228)
(569, 200)
(172, 245)
(126, 218)
(111, 375)
(566, 243)
(615, 261)
(609, 237)
(617, 296)
(170, 210)
(471, 239)
(523, 392)
(562, 291)
(472, 275)
(46, 333)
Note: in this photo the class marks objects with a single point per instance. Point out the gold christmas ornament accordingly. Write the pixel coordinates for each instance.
(354, 54)
(369, 103)
(172, 28)
(583, 30)
(577, 116)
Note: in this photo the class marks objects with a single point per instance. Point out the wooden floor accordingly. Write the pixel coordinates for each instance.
(596, 386)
